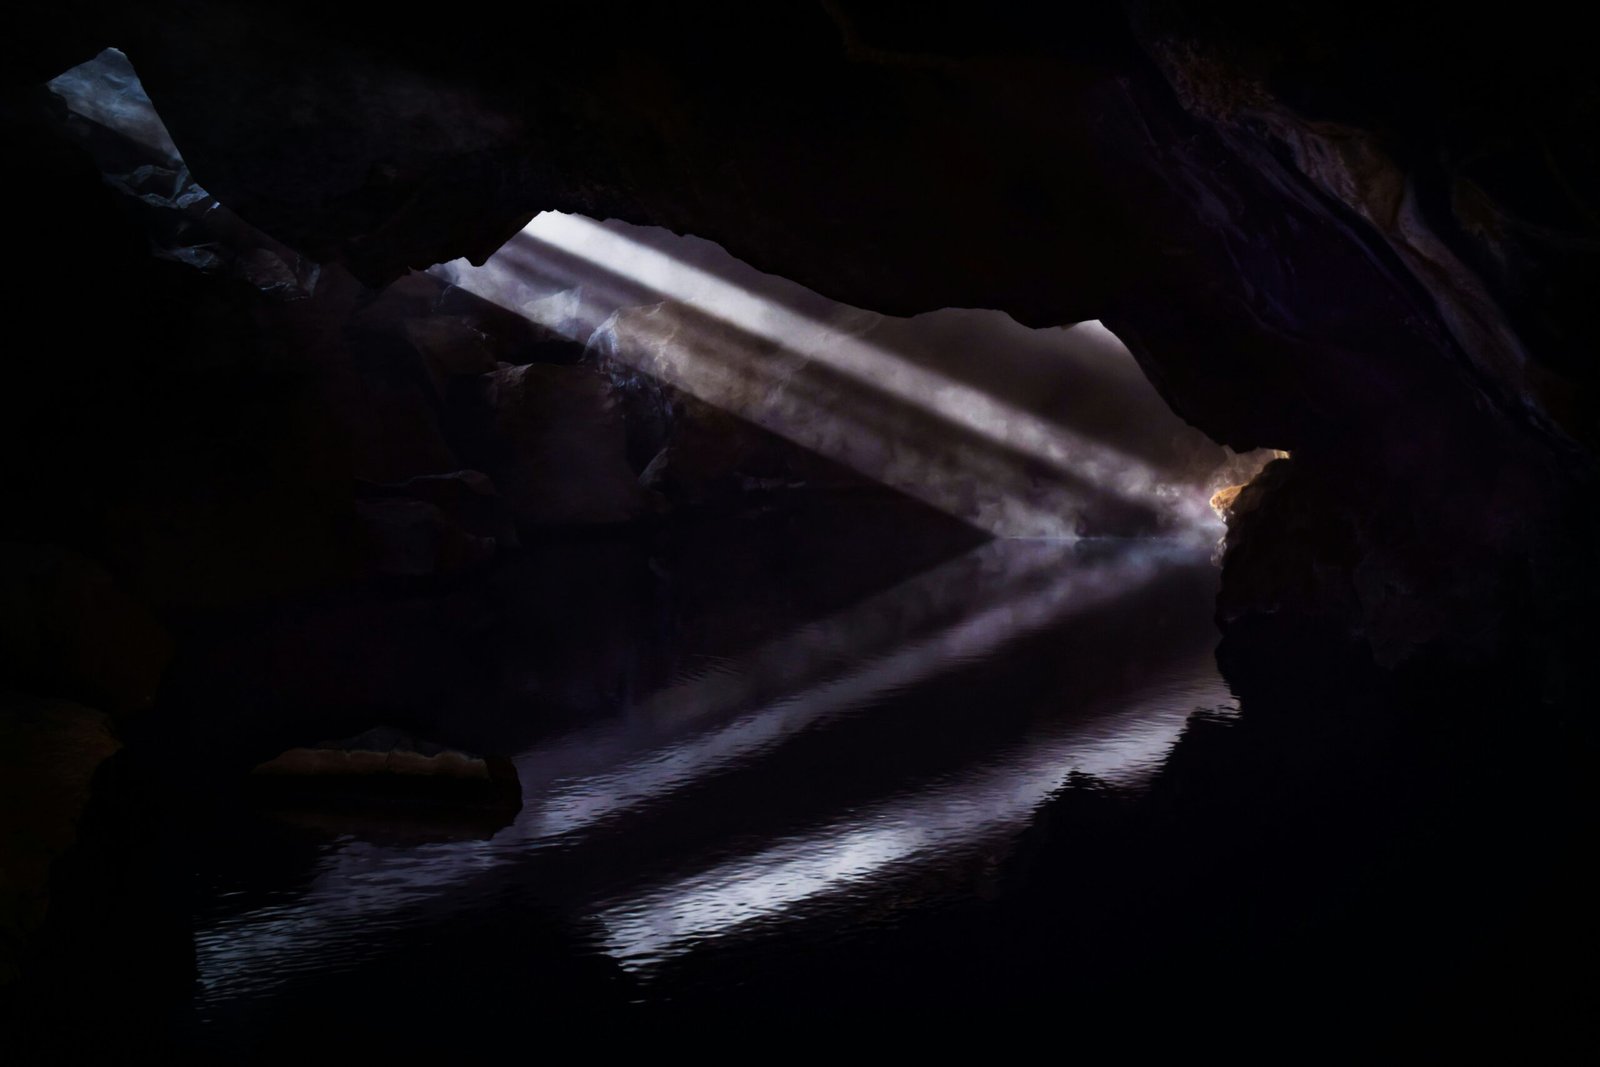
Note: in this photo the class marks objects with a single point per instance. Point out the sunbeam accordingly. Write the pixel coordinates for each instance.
(811, 371)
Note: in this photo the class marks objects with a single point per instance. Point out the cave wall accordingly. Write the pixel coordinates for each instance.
(1357, 234)
(1361, 233)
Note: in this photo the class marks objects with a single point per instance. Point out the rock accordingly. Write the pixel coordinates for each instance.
(388, 405)
(49, 753)
(450, 346)
(1223, 499)
(67, 629)
(1234, 502)
(471, 500)
(1311, 236)
(414, 539)
(560, 447)
(1306, 557)
(389, 765)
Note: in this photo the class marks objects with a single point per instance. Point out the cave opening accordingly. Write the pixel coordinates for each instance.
(427, 599)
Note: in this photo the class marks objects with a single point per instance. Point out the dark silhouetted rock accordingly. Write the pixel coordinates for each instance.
(389, 765)
(67, 629)
(49, 753)
(561, 447)
(451, 346)
(470, 499)
(410, 538)
(1316, 237)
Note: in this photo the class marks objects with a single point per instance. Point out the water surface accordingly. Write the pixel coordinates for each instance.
(835, 773)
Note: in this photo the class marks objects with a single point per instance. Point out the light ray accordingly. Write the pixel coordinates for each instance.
(871, 365)
(799, 366)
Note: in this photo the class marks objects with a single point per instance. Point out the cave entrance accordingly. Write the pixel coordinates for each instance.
(813, 607)
(1050, 433)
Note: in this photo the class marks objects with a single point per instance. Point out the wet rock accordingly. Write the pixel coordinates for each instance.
(383, 764)
(49, 753)
(411, 653)
(68, 629)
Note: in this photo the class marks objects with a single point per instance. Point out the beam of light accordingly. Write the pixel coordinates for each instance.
(804, 371)
(1064, 592)
(770, 361)
(875, 367)
(872, 366)
(890, 442)
(649, 927)
(778, 339)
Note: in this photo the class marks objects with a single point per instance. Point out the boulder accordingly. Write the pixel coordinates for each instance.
(560, 447)
(471, 501)
(383, 765)
(450, 346)
(410, 538)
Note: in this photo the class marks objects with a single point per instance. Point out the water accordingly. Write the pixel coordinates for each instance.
(836, 775)
(812, 759)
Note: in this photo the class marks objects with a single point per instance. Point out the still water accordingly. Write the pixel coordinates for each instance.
(830, 772)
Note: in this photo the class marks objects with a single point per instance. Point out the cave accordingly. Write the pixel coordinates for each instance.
(958, 518)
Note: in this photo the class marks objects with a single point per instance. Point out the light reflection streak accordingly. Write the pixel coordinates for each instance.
(1068, 591)
(578, 787)
(812, 654)
(761, 363)
(646, 929)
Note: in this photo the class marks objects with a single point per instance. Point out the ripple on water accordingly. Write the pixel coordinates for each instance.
(859, 758)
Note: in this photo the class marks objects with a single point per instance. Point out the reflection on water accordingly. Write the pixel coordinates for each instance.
(857, 759)
(930, 825)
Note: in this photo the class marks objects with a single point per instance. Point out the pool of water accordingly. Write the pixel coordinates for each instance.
(821, 774)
